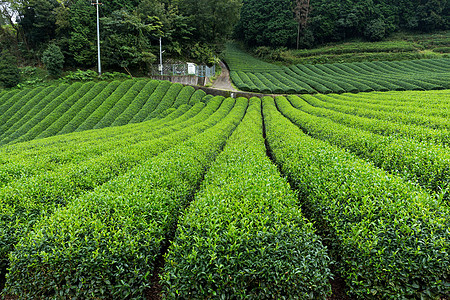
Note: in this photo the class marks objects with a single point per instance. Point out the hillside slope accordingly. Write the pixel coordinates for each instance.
(42, 112)
(251, 74)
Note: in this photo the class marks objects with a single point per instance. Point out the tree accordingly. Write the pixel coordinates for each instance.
(213, 20)
(301, 11)
(267, 23)
(53, 60)
(126, 40)
(37, 21)
(9, 72)
(82, 37)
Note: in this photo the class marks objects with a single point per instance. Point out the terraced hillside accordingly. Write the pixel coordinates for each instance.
(251, 74)
(212, 197)
(43, 112)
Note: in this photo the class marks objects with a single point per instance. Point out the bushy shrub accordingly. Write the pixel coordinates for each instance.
(53, 59)
(9, 72)
(375, 30)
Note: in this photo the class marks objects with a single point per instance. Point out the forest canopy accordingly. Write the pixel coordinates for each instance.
(197, 29)
(130, 29)
(277, 22)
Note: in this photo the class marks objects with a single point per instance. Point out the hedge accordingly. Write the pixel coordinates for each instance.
(382, 127)
(152, 102)
(137, 104)
(58, 112)
(366, 111)
(105, 105)
(197, 97)
(14, 114)
(91, 101)
(389, 237)
(246, 238)
(184, 96)
(111, 237)
(121, 105)
(17, 128)
(21, 201)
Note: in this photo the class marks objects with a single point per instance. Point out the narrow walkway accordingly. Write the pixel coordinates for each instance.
(223, 82)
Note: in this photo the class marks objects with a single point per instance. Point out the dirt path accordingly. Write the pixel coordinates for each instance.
(223, 82)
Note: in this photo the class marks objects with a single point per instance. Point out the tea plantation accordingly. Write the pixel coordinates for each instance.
(113, 190)
(250, 74)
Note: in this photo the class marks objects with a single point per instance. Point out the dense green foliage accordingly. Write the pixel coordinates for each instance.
(77, 107)
(150, 168)
(251, 74)
(389, 237)
(127, 220)
(268, 23)
(427, 164)
(400, 46)
(273, 23)
(9, 71)
(274, 252)
(130, 30)
(53, 60)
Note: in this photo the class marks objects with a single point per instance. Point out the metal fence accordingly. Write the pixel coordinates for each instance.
(183, 70)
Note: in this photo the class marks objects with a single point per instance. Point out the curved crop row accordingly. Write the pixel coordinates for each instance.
(118, 230)
(391, 239)
(21, 204)
(25, 160)
(5, 100)
(340, 78)
(59, 124)
(408, 108)
(35, 115)
(167, 101)
(237, 80)
(432, 100)
(13, 115)
(382, 127)
(55, 113)
(197, 97)
(247, 238)
(12, 98)
(24, 116)
(137, 103)
(421, 120)
(91, 101)
(421, 162)
(184, 96)
(121, 105)
(152, 102)
(105, 105)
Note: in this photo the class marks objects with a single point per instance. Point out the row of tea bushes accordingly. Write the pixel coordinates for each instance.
(25, 200)
(109, 239)
(244, 235)
(137, 103)
(44, 112)
(437, 114)
(399, 117)
(16, 112)
(382, 127)
(424, 163)
(389, 237)
(115, 109)
(251, 74)
(26, 159)
(11, 128)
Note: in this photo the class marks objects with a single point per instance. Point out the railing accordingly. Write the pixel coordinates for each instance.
(183, 70)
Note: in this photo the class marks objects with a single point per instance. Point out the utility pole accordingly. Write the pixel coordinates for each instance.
(160, 57)
(96, 3)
